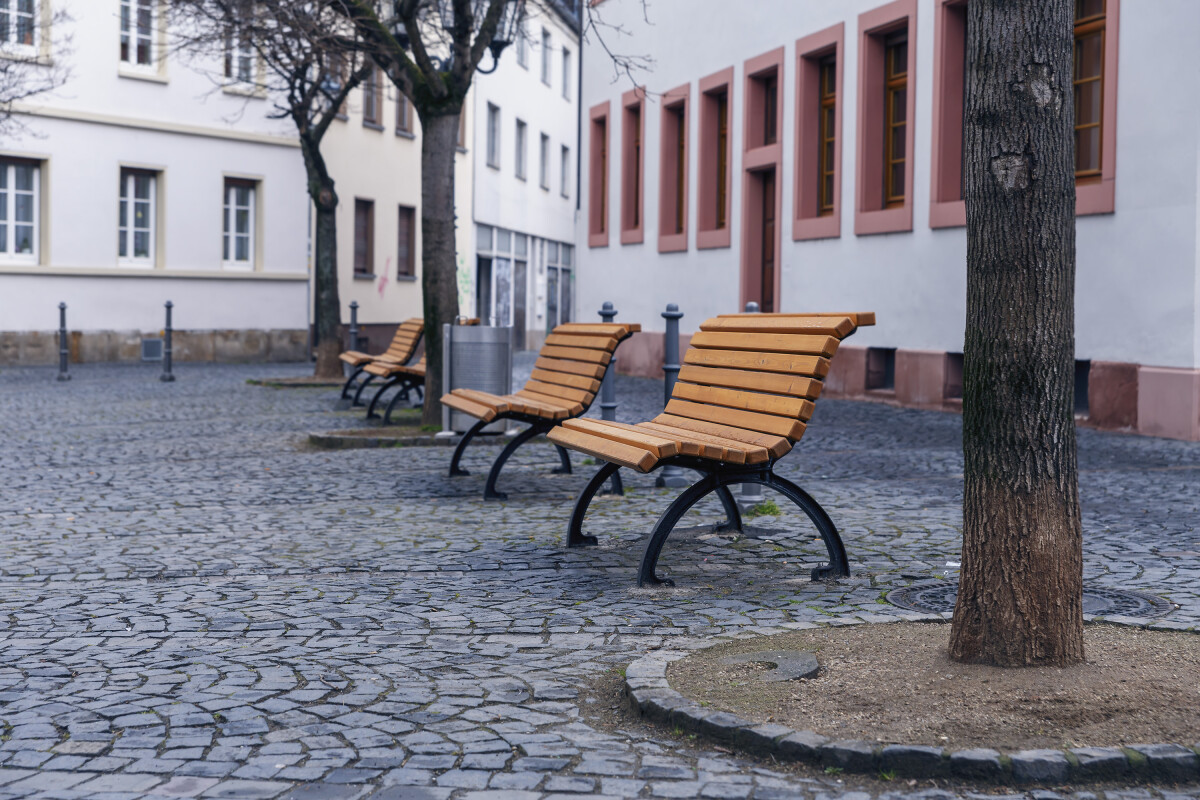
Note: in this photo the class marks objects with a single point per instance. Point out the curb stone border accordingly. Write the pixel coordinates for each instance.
(335, 441)
(651, 697)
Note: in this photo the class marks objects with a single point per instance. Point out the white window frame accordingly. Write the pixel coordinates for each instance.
(126, 232)
(493, 136)
(229, 236)
(545, 56)
(129, 32)
(522, 146)
(239, 54)
(523, 48)
(8, 211)
(564, 181)
(13, 12)
(566, 70)
(544, 166)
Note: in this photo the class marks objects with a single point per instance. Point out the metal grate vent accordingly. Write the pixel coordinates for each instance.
(152, 349)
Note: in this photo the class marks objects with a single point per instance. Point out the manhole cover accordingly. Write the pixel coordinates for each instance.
(936, 598)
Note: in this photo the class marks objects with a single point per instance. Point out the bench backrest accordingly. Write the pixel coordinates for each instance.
(405, 340)
(760, 372)
(573, 361)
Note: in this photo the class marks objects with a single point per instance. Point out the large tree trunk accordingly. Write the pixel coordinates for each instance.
(439, 270)
(326, 303)
(1020, 591)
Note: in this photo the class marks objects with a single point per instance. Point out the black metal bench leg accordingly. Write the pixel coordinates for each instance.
(350, 382)
(361, 386)
(396, 398)
(455, 469)
(489, 489)
(733, 515)
(615, 485)
(389, 383)
(575, 535)
(839, 565)
(565, 469)
(666, 523)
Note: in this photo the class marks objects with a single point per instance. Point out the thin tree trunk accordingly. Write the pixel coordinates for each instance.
(327, 306)
(439, 270)
(1020, 590)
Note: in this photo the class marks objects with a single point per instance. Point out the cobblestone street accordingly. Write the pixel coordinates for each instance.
(197, 603)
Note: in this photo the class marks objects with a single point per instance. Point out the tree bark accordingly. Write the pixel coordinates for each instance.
(439, 270)
(327, 306)
(1020, 589)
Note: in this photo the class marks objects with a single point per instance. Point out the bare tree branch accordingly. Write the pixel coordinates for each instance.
(33, 63)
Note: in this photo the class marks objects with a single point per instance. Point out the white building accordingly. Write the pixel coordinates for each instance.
(773, 171)
(526, 157)
(142, 180)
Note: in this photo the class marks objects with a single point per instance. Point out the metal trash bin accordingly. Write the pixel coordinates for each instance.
(476, 357)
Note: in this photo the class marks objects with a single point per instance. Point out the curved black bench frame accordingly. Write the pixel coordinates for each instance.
(407, 384)
(717, 476)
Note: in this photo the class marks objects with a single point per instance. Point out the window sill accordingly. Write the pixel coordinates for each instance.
(597, 240)
(375, 126)
(950, 214)
(234, 266)
(673, 242)
(460, 149)
(809, 228)
(521, 178)
(544, 188)
(1096, 197)
(403, 134)
(239, 90)
(363, 276)
(632, 236)
(152, 76)
(493, 166)
(885, 220)
(713, 239)
(407, 278)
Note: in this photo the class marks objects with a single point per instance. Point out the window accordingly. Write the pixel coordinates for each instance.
(136, 217)
(946, 206)
(761, 185)
(493, 136)
(545, 56)
(520, 156)
(403, 115)
(632, 130)
(372, 100)
(523, 48)
(544, 163)
(816, 199)
(762, 100)
(406, 244)
(1089, 87)
(364, 238)
(559, 284)
(137, 32)
(19, 198)
(886, 92)
(565, 177)
(673, 171)
(17, 22)
(598, 176)
(238, 239)
(239, 55)
(566, 64)
(714, 170)
(826, 135)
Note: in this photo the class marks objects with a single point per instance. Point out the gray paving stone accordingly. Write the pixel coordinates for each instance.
(1045, 766)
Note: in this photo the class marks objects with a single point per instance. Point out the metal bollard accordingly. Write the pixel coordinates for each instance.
(353, 324)
(167, 376)
(671, 476)
(608, 387)
(63, 351)
(752, 493)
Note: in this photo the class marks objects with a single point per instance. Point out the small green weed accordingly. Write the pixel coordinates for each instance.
(834, 770)
(767, 508)
(589, 462)
(887, 775)
(431, 428)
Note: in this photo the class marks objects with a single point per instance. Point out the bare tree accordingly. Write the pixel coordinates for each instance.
(310, 62)
(1020, 590)
(33, 47)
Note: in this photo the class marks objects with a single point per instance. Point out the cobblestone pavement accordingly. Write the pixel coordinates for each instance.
(195, 604)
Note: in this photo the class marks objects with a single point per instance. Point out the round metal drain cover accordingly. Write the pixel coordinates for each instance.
(1099, 601)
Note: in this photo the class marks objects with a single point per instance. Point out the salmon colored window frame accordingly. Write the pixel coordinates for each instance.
(946, 206)
(673, 171)
(633, 161)
(870, 215)
(711, 231)
(811, 52)
(762, 155)
(598, 194)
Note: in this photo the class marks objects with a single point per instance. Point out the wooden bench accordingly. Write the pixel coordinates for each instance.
(405, 378)
(404, 344)
(564, 382)
(744, 396)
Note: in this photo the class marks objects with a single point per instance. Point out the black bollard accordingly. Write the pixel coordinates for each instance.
(63, 351)
(608, 387)
(167, 376)
(353, 324)
(671, 476)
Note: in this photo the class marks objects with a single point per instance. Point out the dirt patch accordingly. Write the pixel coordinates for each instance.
(895, 683)
(296, 382)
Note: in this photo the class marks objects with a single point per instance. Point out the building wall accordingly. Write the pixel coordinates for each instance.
(1137, 300)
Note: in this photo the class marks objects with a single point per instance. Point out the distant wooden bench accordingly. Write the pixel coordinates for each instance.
(400, 351)
(564, 382)
(744, 395)
(405, 378)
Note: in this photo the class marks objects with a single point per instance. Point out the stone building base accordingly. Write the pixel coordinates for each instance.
(89, 347)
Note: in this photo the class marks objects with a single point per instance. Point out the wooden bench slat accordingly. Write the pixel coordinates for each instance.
(605, 343)
(777, 446)
(759, 323)
(752, 421)
(776, 404)
(496, 402)
(577, 354)
(626, 455)
(618, 329)
(574, 367)
(765, 362)
(467, 407)
(773, 382)
(589, 385)
(558, 390)
(735, 452)
(859, 318)
(551, 403)
(660, 446)
(799, 344)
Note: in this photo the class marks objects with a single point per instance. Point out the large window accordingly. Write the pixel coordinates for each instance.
(564, 181)
(566, 76)
(138, 18)
(1089, 87)
(17, 22)
(404, 124)
(372, 100)
(817, 198)
(523, 48)
(895, 125)
(545, 56)
(544, 162)
(632, 131)
(827, 136)
(136, 217)
(598, 177)
(239, 55)
(238, 236)
(521, 148)
(946, 206)
(714, 161)
(560, 284)
(19, 211)
(673, 171)
(406, 244)
(493, 136)
(364, 238)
